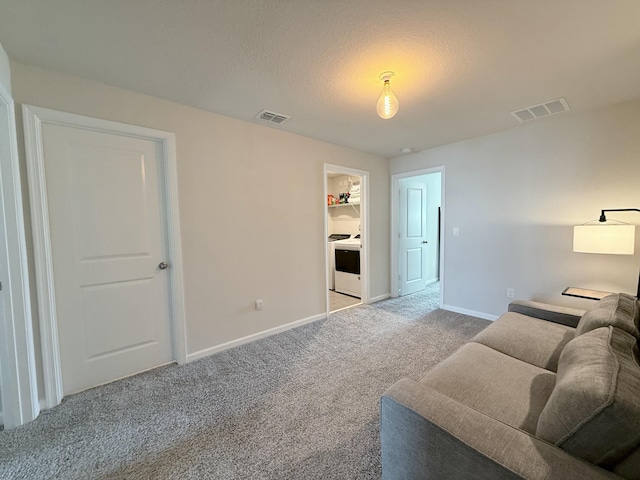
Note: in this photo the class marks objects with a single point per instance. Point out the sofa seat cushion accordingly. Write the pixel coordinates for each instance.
(500, 386)
(620, 310)
(529, 339)
(594, 410)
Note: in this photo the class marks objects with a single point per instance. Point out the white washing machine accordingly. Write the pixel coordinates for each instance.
(334, 237)
(347, 266)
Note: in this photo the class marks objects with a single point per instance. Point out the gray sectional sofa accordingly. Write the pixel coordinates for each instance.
(544, 392)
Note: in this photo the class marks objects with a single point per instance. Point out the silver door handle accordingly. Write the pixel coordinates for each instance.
(163, 265)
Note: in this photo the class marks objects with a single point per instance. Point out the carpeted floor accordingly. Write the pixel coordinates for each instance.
(299, 405)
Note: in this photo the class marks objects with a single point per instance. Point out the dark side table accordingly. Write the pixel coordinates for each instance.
(585, 293)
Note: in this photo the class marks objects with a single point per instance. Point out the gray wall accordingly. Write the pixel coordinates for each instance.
(515, 196)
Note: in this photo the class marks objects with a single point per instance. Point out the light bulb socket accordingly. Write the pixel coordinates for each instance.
(386, 76)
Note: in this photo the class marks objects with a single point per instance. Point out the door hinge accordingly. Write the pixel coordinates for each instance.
(0, 286)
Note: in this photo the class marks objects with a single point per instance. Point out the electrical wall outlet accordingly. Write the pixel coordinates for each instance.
(510, 293)
(259, 304)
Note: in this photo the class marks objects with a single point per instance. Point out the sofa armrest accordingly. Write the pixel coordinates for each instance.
(552, 313)
(426, 435)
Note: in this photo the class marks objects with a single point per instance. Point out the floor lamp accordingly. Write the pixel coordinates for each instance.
(606, 238)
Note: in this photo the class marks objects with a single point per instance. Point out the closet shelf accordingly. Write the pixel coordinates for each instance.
(344, 205)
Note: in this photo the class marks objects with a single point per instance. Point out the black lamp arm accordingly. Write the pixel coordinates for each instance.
(603, 218)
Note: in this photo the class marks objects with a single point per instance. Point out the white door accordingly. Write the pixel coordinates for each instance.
(413, 236)
(108, 238)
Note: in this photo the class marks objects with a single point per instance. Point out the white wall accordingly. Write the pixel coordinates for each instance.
(434, 192)
(339, 184)
(5, 80)
(343, 219)
(515, 196)
(239, 242)
(5, 72)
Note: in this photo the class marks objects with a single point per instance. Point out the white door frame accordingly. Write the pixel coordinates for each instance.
(395, 245)
(19, 384)
(364, 228)
(33, 118)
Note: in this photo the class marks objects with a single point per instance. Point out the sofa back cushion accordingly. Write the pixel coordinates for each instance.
(594, 409)
(620, 310)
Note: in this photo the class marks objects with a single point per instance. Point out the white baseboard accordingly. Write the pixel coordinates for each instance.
(252, 338)
(379, 298)
(473, 313)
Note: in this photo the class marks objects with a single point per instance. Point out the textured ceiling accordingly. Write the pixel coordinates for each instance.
(461, 65)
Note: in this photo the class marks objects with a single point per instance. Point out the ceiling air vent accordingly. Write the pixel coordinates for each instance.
(272, 117)
(551, 107)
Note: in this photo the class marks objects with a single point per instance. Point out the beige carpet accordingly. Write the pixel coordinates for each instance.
(299, 405)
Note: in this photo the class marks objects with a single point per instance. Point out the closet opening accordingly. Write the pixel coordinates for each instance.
(345, 228)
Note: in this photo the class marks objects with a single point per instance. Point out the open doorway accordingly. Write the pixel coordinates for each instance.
(346, 233)
(417, 219)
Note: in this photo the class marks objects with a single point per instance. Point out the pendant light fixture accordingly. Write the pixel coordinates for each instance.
(387, 103)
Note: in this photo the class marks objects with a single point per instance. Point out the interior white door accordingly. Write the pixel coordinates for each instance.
(108, 238)
(413, 236)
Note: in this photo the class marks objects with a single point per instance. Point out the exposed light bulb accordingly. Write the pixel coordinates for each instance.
(387, 103)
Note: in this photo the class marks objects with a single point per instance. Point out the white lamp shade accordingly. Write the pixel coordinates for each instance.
(603, 238)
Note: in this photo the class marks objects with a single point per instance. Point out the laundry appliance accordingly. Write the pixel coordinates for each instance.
(347, 266)
(334, 237)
